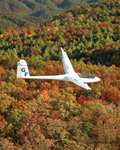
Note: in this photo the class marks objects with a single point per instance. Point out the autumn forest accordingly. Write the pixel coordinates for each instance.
(57, 115)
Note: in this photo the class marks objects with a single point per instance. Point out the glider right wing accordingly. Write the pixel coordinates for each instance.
(78, 82)
(66, 63)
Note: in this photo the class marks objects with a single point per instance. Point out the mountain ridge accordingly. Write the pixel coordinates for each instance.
(37, 9)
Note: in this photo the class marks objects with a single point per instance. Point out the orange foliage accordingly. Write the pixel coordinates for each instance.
(29, 35)
(3, 73)
(105, 24)
(82, 16)
(101, 118)
(45, 94)
(32, 71)
(41, 72)
(50, 36)
(18, 104)
(32, 84)
(2, 58)
(113, 17)
(55, 88)
(1, 35)
(26, 95)
(112, 94)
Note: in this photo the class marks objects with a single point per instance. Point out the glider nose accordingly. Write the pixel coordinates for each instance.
(97, 79)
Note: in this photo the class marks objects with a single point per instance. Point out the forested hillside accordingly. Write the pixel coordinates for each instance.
(57, 115)
(18, 13)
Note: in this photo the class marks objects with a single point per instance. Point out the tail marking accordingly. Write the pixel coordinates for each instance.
(22, 69)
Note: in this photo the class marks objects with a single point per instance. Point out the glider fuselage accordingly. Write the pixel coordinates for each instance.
(65, 77)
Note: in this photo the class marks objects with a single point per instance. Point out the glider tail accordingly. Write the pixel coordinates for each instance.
(22, 69)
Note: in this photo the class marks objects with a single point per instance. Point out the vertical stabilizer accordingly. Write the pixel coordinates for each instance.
(18, 69)
(22, 69)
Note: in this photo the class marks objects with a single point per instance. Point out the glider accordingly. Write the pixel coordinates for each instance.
(80, 79)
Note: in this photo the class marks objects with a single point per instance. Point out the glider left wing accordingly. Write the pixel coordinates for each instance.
(78, 82)
(66, 63)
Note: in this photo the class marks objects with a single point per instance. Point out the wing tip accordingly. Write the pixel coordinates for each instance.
(89, 88)
(62, 49)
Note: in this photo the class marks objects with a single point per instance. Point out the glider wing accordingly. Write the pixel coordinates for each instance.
(78, 82)
(66, 63)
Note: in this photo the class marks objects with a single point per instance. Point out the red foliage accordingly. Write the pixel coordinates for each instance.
(81, 99)
(103, 97)
(95, 27)
(1, 82)
(117, 86)
(1, 118)
(42, 87)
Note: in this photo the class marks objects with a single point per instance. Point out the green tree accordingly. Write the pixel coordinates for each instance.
(87, 127)
(11, 75)
(15, 117)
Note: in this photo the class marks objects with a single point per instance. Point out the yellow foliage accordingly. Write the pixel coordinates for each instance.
(73, 145)
(101, 146)
(96, 91)
(5, 102)
(29, 108)
(82, 16)
(29, 35)
(54, 94)
(19, 82)
(68, 107)
(36, 92)
(40, 99)
(1, 35)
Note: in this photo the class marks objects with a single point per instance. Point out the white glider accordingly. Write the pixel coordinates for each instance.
(80, 79)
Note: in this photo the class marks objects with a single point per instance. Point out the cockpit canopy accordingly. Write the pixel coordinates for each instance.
(85, 75)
